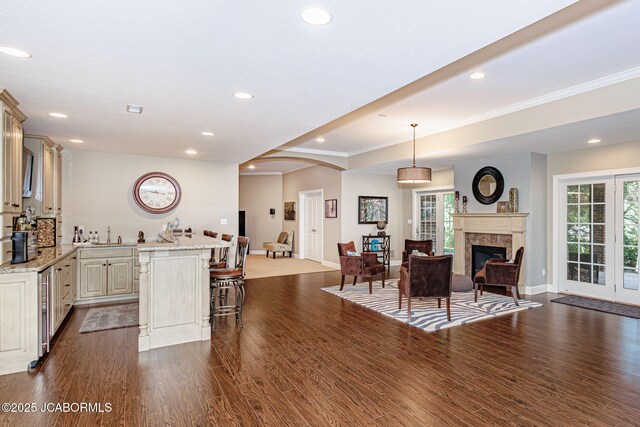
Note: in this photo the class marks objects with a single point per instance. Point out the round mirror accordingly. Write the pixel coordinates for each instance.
(488, 185)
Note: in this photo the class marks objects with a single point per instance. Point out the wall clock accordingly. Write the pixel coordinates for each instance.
(157, 192)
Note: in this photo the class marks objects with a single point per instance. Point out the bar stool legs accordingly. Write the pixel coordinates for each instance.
(220, 294)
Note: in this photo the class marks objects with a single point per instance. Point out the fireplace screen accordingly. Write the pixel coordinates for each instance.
(481, 254)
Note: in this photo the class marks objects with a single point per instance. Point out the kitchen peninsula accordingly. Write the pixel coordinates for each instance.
(35, 297)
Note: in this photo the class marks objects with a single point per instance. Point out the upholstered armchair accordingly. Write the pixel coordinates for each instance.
(365, 265)
(284, 244)
(426, 277)
(424, 246)
(500, 272)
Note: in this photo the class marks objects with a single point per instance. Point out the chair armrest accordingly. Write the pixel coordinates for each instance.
(404, 256)
(496, 260)
(403, 283)
(500, 273)
(370, 259)
(352, 265)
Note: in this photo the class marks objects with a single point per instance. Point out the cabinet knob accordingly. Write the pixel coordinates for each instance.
(15, 205)
(104, 265)
(59, 269)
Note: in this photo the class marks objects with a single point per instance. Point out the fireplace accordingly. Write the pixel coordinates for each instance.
(481, 254)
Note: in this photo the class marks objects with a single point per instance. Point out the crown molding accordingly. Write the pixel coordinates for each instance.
(260, 173)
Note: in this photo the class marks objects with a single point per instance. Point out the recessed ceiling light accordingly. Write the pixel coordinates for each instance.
(58, 115)
(15, 52)
(135, 109)
(477, 76)
(207, 133)
(191, 152)
(320, 139)
(76, 141)
(593, 141)
(243, 95)
(251, 166)
(315, 16)
(382, 115)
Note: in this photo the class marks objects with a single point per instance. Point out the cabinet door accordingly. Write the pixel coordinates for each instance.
(16, 173)
(56, 299)
(58, 182)
(93, 278)
(7, 147)
(120, 276)
(47, 178)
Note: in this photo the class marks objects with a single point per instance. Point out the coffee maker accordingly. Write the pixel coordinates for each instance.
(24, 245)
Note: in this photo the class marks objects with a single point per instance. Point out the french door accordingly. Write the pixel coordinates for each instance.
(434, 220)
(599, 237)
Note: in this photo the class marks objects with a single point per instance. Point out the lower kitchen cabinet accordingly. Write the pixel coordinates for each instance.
(93, 278)
(62, 288)
(119, 276)
(105, 272)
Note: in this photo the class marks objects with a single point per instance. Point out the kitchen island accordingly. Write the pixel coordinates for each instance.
(174, 291)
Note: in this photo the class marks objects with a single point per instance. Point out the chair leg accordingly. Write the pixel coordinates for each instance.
(383, 279)
(409, 308)
(240, 304)
(449, 309)
(514, 295)
(274, 254)
(399, 299)
(342, 282)
(481, 288)
(439, 303)
(475, 291)
(290, 254)
(370, 284)
(267, 254)
(355, 279)
(517, 291)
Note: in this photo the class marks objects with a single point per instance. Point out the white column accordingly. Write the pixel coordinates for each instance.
(205, 328)
(143, 338)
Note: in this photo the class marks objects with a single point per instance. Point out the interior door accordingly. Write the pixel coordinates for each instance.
(587, 237)
(627, 232)
(313, 227)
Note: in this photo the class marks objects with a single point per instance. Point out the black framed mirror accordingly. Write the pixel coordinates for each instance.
(488, 185)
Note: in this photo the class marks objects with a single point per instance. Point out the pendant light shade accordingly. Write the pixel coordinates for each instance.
(414, 174)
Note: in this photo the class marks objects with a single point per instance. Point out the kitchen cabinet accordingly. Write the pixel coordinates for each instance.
(62, 297)
(105, 273)
(48, 181)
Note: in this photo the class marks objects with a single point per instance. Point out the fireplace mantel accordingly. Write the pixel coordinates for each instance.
(513, 224)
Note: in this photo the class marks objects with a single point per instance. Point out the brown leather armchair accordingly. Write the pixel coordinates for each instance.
(424, 246)
(497, 272)
(426, 277)
(366, 265)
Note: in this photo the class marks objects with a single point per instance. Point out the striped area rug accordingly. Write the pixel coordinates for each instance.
(425, 314)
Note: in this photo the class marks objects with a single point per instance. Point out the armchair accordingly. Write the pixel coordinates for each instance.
(365, 265)
(283, 244)
(424, 246)
(426, 277)
(499, 272)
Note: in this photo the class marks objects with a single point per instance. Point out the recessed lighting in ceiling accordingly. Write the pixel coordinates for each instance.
(243, 95)
(207, 133)
(191, 152)
(593, 141)
(382, 115)
(58, 115)
(251, 166)
(76, 141)
(319, 139)
(477, 76)
(135, 109)
(14, 52)
(315, 16)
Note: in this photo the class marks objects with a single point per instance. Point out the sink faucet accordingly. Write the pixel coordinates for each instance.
(108, 234)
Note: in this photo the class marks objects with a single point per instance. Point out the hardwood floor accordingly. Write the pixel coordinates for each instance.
(306, 357)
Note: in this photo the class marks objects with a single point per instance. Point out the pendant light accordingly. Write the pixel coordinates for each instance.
(414, 174)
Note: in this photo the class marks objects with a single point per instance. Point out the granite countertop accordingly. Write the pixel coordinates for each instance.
(184, 243)
(46, 258)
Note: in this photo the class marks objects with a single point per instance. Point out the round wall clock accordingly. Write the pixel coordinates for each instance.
(157, 192)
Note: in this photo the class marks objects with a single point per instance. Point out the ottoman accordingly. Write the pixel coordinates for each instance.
(461, 283)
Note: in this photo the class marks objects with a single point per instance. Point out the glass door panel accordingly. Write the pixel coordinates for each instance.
(627, 229)
(449, 207)
(428, 217)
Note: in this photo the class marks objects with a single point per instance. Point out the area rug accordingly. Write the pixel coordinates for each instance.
(425, 314)
(259, 266)
(600, 305)
(112, 317)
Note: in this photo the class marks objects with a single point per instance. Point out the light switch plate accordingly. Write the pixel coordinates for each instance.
(409, 221)
(223, 221)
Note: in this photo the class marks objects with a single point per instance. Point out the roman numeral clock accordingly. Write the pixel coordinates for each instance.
(157, 192)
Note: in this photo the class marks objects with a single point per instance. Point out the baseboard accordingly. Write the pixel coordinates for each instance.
(263, 252)
(395, 263)
(100, 300)
(331, 264)
(538, 289)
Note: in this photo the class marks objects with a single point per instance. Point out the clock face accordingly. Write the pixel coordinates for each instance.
(157, 192)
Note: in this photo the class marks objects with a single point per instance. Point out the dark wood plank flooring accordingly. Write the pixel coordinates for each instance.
(306, 357)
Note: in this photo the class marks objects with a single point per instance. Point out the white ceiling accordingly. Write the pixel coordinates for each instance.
(612, 129)
(272, 167)
(183, 60)
(593, 48)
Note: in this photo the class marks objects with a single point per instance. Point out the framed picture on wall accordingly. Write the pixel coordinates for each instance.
(289, 211)
(372, 209)
(331, 208)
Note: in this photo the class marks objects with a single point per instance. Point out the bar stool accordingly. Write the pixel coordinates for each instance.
(222, 263)
(224, 279)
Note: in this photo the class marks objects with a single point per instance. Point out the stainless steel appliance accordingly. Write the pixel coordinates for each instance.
(45, 279)
(24, 246)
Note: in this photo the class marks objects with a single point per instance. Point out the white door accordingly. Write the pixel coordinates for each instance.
(313, 226)
(435, 221)
(587, 217)
(627, 223)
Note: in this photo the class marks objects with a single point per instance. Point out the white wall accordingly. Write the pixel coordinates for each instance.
(356, 184)
(96, 193)
(258, 194)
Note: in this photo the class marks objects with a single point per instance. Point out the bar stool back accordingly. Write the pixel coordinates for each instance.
(224, 280)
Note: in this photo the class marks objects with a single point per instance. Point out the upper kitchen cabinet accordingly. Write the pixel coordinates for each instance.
(46, 194)
(12, 175)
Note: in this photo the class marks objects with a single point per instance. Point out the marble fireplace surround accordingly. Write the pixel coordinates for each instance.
(490, 229)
